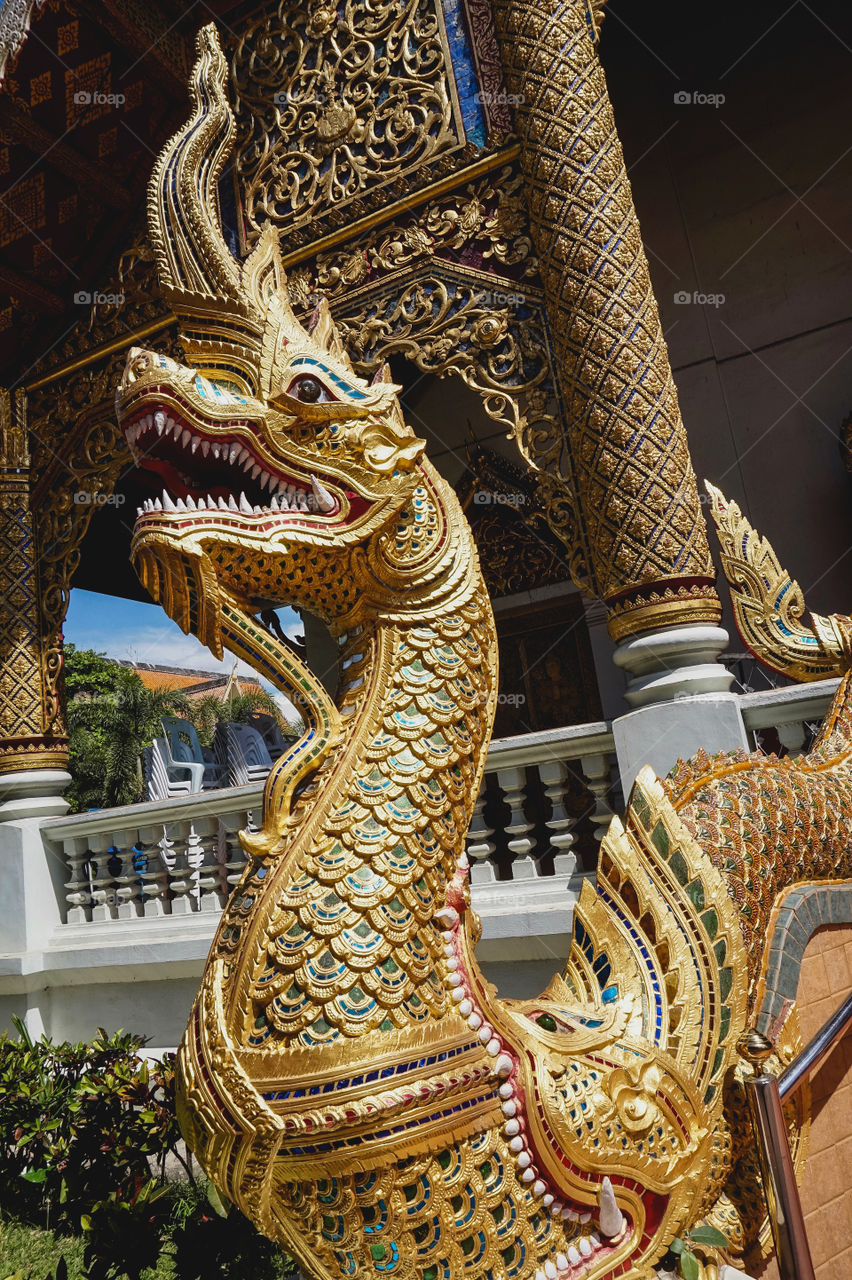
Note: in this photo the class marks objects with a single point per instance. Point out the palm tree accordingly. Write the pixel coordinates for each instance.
(238, 707)
(107, 733)
(132, 723)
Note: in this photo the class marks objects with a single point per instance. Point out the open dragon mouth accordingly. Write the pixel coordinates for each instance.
(203, 472)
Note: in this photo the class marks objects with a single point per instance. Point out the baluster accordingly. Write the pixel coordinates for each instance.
(208, 877)
(129, 890)
(155, 876)
(176, 855)
(596, 770)
(479, 847)
(79, 895)
(512, 781)
(102, 869)
(235, 862)
(552, 773)
(792, 734)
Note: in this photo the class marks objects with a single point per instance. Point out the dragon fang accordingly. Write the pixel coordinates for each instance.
(348, 1078)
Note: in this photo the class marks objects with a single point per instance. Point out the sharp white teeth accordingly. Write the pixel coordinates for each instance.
(186, 436)
(158, 506)
(168, 505)
(291, 493)
(258, 511)
(138, 511)
(246, 460)
(610, 1217)
(265, 480)
(159, 421)
(232, 506)
(222, 504)
(255, 471)
(195, 443)
(205, 448)
(325, 502)
(149, 420)
(190, 505)
(234, 454)
(273, 504)
(244, 506)
(215, 451)
(202, 505)
(179, 504)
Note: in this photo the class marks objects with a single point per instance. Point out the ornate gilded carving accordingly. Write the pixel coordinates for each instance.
(336, 101)
(631, 466)
(29, 738)
(348, 1078)
(504, 507)
(769, 606)
(455, 288)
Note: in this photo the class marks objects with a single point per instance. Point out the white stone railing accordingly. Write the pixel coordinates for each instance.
(543, 794)
(789, 711)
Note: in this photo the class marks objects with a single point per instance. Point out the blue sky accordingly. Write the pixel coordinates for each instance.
(144, 633)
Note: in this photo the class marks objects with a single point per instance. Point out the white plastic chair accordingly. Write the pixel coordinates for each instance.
(248, 759)
(184, 754)
(159, 785)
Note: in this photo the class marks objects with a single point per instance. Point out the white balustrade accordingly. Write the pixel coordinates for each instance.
(791, 711)
(172, 857)
(549, 801)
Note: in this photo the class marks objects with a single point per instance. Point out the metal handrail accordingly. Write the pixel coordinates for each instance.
(816, 1050)
(765, 1095)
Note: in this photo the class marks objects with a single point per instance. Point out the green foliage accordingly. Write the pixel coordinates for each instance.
(112, 715)
(239, 707)
(688, 1265)
(86, 1131)
(32, 1254)
(81, 1125)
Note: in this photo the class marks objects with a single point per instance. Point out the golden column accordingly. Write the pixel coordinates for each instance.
(635, 484)
(33, 748)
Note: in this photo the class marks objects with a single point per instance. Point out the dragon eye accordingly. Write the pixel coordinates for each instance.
(307, 389)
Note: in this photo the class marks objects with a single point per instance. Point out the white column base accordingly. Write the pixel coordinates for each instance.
(664, 665)
(681, 700)
(33, 793)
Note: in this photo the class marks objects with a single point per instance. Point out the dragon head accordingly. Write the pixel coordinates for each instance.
(275, 457)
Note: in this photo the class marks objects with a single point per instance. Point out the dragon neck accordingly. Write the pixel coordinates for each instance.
(356, 859)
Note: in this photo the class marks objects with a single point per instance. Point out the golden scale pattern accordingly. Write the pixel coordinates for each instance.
(348, 1078)
(767, 828)
(632, 470)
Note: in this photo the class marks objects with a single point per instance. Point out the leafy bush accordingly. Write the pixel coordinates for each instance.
(87, 1132)
(112, 715)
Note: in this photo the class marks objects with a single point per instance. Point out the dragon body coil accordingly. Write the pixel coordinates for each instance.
(348, 1078)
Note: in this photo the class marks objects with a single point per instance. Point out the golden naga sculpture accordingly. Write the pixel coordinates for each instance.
(769, 606)
(348, 1078)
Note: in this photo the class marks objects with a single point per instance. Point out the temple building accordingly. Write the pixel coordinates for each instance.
(605, 251)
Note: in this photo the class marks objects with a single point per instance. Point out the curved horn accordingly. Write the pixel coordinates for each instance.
(198, 274)
(183, 202)
(769, 606)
